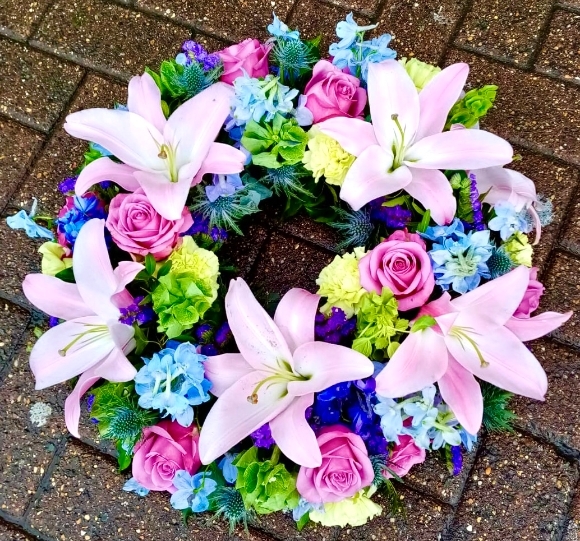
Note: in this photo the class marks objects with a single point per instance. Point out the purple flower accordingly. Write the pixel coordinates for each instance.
(223, 186)
(90, 402)
(201, 227)
(193, 51)
(456, 459)
(223, 334)
(68, 185)
(478, 222)
(53, 322)
(396, 217)
(135, 313)
(263, 437)
(204, 333)
(208, 350)
(334, 329)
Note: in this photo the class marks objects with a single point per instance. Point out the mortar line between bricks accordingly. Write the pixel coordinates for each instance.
(361, 12)
(23, 121)
(561, 448)
(36, 25)
(568, 8)
(543, 33)
(566, 520)
(292, 10)
(45, 479)
(23, 526)
(16, 344)
(455, 32)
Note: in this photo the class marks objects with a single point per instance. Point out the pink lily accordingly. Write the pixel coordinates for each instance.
(274, 377)
(91, 342)
(164, 157)
(475, 335)
(404, 148)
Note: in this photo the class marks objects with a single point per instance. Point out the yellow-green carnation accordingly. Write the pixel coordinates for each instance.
(326, 158)
(339, 282)
(53, 258)
(519, 249)
(354, 511)
(420, 72)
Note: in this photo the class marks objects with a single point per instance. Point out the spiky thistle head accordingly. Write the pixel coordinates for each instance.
(229, 503)
(124, 424)
(499, 263)
(294, 57)
(287, 180)
(356, 227)
(379, 463)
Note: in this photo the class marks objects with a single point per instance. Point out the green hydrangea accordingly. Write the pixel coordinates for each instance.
(378, 323)
(473, 106)
(519, 249)
(265, 486)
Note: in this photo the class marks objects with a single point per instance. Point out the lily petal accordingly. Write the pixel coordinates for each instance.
(368, 178)
(353, 134)
(55, 297)
(432, 189)
(292, 433)
(437, 98)
(534, 327)
(222, 160)
(93, 271)
(508, 363)
(459, 149)
(500, 184)
(392, 92)
(295, 317)
(224, 370)
(257, 337)
(106, 169)
(325, 365)
(167, 198)
(420, 361)
(144, 99)
(460, 390)
(233, 417)
(72, 404)
(125, 273)
(116, 367)
(126, 135)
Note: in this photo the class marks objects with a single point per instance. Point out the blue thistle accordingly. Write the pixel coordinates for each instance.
(499, 263)
(229, 504)
(125, 424)
(356, 227)
(286, 180)
(379, 463)
(294, 57)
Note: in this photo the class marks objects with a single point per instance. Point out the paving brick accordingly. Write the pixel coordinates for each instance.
(421, 29)
(531, 109)
(572, 532)
(552, 418)
(242, 251)
(508, 28)
(571, 233)
(26, 448)
(18, 18)
(302, 227)
(560, 54)
(281, 526)
(421, 519)
(286, 263)
(9, 533)
(108, 37)
(34, 87)
(554, 181)
(314, 18)
(368, 7)
(13, 321)
(85, 498)
(562, 282)
(230, 20)
(519, 489)
(17, 147)
(59, 159)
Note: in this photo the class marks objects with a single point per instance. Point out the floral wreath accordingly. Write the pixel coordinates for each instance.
(414, 338)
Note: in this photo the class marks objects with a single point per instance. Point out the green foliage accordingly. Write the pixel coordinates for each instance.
(422, 323)
(496, 415)
(120, 418)
(473, 106)
(461, 185)
(315, 204)
(92, 154)
(275, 144)
(378, 323)
(265, 486)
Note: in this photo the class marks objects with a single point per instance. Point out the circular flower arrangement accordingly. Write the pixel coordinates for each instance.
(414, 338)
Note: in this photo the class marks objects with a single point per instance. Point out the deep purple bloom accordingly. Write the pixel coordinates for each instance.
(334, 329)
(53, 322)
(456, 459)
(478, 222)
(396, 217)
(193, 51)
(201, 227)
(208, 350)
(67, 185)
(223, 334)
(90, 402)
(204, 333)
(136, 313)
(263, 437)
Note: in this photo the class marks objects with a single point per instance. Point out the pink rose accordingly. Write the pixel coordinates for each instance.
(249, 56)
(332, 93)
(345, 468)
(531, 299)
(165, 449)
(401, 265)
(138, 228)
(404, 456)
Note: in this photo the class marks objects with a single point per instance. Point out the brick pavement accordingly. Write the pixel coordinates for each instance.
(57, 56)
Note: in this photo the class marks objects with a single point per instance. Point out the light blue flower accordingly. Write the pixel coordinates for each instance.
(132, 485)
(280, 30)
(468, 440)
(422, 409)
(229, 471)
(507, 220)
(182, 59)
(391, 414)
(304, 506)
(348, 31)
(223, 185)
(303, 115)
(445, 429)
(439, 233)
(173, 381)
(22, 220)
(192, 491)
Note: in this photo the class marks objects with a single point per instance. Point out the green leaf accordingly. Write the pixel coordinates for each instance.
(422, 323)
(265, 159)
(164, 269)
(424, 223)
(392, 348)
(401, 200)
(150, 264)
(123, 458)
(66, 275)
(304, 520)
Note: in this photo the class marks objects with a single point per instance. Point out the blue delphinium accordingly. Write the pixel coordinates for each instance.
(335, 328)
(349, 31)
(507, 220)
(468, 440)
(303, 507)
(394, 217)
(278, 29)
(192, 491)
(459, 259)
(262, 437)
(132, 485)
(136, 313)
(229, 471)
(201, 226)
(67, 185)
(191, 51)
(173, 381)
(80, 209)
(22, 220)
(223, 185)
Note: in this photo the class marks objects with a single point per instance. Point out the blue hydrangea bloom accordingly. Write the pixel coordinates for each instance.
(348, 31)
(192, 491)
(229, 471)
(173, 381)
(280, 30)
(507, 220)
(302, 114)
(223, 185)
(459, 259)
(132, 485)
(22, 220)
(303, 507)
(84, 208)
